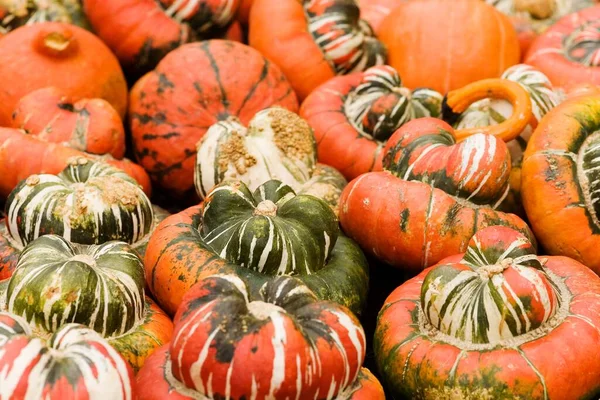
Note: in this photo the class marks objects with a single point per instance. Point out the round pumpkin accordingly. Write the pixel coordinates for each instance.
(100, 286)
(264, 234)
(90, 125)
(498, 322)
(443, 44)
(328, 38)
(75, 363)
(354, 115)
(559, 180)
(61, 55)
(142, 32)
(277, 144)
(431, 198)
(279, 343)
(16, 13)
(375, 11)
(170, 110)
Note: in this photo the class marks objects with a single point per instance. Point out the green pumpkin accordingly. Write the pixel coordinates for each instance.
(272, 231)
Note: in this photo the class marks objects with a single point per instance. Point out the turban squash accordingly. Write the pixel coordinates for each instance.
(257, 235)
(74, 363)
(328, 38)
(16, 13)
(493, 323)
(281, 343)
(277, 144)
(191, 89)
(560, 182)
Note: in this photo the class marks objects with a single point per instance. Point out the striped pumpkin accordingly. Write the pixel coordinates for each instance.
(491, 323)
(282, 343)
(353, 116)
(75, 363)
(277, 144)
(271, 231)
(16, 13)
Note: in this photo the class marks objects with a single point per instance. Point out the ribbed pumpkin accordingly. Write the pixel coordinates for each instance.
(569, 52)
(263, 234)
(101, 286)
(432, 197)
(277, 144)
(498, 322)
(279, 343)
(354, 115)
(75, 363)
(61, 55)
(426, 43)
(560, 180)
(328, 38)
(142, 32)
(90, 125)
(170, 110)
(16, 13)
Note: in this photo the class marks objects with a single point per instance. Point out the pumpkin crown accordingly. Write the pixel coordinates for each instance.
(202, 17)
(498, 291)
(56, 40)
(582, 45)
(348, 42)
(380, 104)
(273, 230)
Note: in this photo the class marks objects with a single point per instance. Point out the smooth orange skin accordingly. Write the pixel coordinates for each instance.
(443, 45)
(278, 29)
(375, 11)
(86, 69)
(23, 155)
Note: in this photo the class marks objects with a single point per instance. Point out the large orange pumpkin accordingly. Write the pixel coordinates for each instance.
(61, 55)
(445, 45)
(375, 11)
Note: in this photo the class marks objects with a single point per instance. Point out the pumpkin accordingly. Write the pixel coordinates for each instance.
(272, 232)
(74, 363)
(282, 342)
(354, 115)
(61, 55)
(328, 38)
(493, 323)
(90, 125)
(277, 144)
(439, 58)
(101, 286)
(375, 11)
(170, 111)
(16, 13)
(243, 14)
(559, 180)
(142, 32)
(568, 52)
(432, 196)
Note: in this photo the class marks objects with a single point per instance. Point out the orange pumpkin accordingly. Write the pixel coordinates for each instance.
(375, 11)
(445, 45)
(244, 11)
(90, 125)
(312, 41)
(61, 55)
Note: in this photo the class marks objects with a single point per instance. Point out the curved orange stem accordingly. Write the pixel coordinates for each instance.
(459, 100)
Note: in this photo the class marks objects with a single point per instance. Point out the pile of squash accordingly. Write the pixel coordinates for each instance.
(196, 195)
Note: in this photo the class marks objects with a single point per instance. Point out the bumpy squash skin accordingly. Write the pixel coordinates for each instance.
(176, 259)
(192, 88)
(420, 364)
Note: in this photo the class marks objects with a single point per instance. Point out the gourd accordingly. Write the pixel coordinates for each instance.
(16, 13)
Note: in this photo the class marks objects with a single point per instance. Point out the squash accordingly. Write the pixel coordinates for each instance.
(16, 13)
(280, 343)
(432, 196)
(354, 115)
(328, 38)
(559, 180)
(492, 323)
(277, 144)
(426, 43)
(142, 32)
(270, 235)
(75, 363)
(61, 55)
(568, 52)
(170, 111)
(243, 15)
(89, 125)
(375, 11)
(100, 286)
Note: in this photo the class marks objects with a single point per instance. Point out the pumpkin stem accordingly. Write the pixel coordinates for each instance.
(266, 208)
(56, 41)
(539, 9)
(488, 271)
